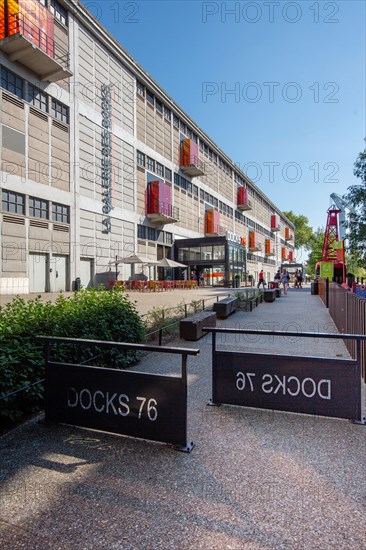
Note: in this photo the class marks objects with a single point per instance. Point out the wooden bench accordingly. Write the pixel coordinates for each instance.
(270, 295)
(191, 327)
(225, 307)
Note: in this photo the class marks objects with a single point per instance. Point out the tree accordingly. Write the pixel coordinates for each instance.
(356, 222)
(303, 232)
(315, 247)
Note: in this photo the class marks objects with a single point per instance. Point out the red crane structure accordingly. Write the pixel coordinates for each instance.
(331, 239)
(333, 247)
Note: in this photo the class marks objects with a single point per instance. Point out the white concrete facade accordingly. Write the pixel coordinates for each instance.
(52, 165)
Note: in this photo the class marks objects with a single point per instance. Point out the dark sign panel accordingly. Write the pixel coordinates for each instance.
(327, 387)
(124, 402)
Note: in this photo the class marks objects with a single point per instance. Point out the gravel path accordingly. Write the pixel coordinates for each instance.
(256, 479)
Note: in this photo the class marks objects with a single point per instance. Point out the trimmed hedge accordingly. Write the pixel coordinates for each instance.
(90, 314)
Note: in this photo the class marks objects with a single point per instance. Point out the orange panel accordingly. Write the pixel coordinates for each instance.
(212, 221)
(283, 253)
(252, 239)
(287, 233)
(268, 246)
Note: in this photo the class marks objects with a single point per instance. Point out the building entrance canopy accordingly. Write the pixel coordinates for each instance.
(218, 259)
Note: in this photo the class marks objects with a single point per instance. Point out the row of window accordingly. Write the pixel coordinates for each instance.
(57, 10)
(183, 183)
(179, 181)
(152, 234)
(153, 166)
(153, 101)
(177, 123)
(33, 95)
(263, 259)
(15, 203)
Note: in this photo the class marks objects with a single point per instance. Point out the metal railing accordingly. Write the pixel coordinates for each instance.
(348, 312)
(20, 23)
(323, 290)
(192, 160)
(164, 208)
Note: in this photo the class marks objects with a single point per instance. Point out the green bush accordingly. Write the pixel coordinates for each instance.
(90, 314)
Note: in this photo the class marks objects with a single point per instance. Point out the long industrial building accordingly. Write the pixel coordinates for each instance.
(98, 163)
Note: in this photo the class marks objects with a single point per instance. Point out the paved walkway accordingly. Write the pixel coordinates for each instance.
(257, 479)
(144, 301)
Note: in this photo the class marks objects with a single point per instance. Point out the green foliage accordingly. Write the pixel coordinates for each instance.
(89, 314)
(356, 222)
(316, 247)
(303, 232)
(245, 295)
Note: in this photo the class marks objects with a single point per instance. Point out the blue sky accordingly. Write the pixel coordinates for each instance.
(296, 119)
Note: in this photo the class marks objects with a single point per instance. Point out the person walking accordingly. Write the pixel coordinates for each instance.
(277, 278)
(299, 279)
(261, 279)
(285, 278)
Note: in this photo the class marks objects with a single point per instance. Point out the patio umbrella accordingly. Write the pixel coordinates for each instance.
(165, 262)
(136, 259)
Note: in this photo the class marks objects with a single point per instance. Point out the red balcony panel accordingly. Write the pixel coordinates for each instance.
(269, 248)
(243, 202)
(275, 224)
(190, 162)
(27, 36)
(159, 208)
(212, 222)
(291, 256)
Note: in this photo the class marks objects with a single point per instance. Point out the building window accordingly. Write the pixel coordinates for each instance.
(13, 202)
(195, 190)
(175, 121)
(60, 111)
(12, 83)
(168, 238)
(151, 234)
(60, 213)
(168, 174)
(150, 164)
(37, 98)
(150, 97)
(159, 106)
(58, 12)
(167, 113)
(176, 179)
(140, 159)
(141, 232)
(38, 208)
(140, 89)
(183, 127)
(160, 169)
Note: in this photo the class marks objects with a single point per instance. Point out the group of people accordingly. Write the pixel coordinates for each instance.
(283, 278)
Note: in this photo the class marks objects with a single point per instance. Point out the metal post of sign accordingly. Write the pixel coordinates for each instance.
(212, 402)
(189, 446)
(362, 420)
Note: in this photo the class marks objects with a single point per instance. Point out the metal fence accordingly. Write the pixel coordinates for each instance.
(323, 291)
(348, 312)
